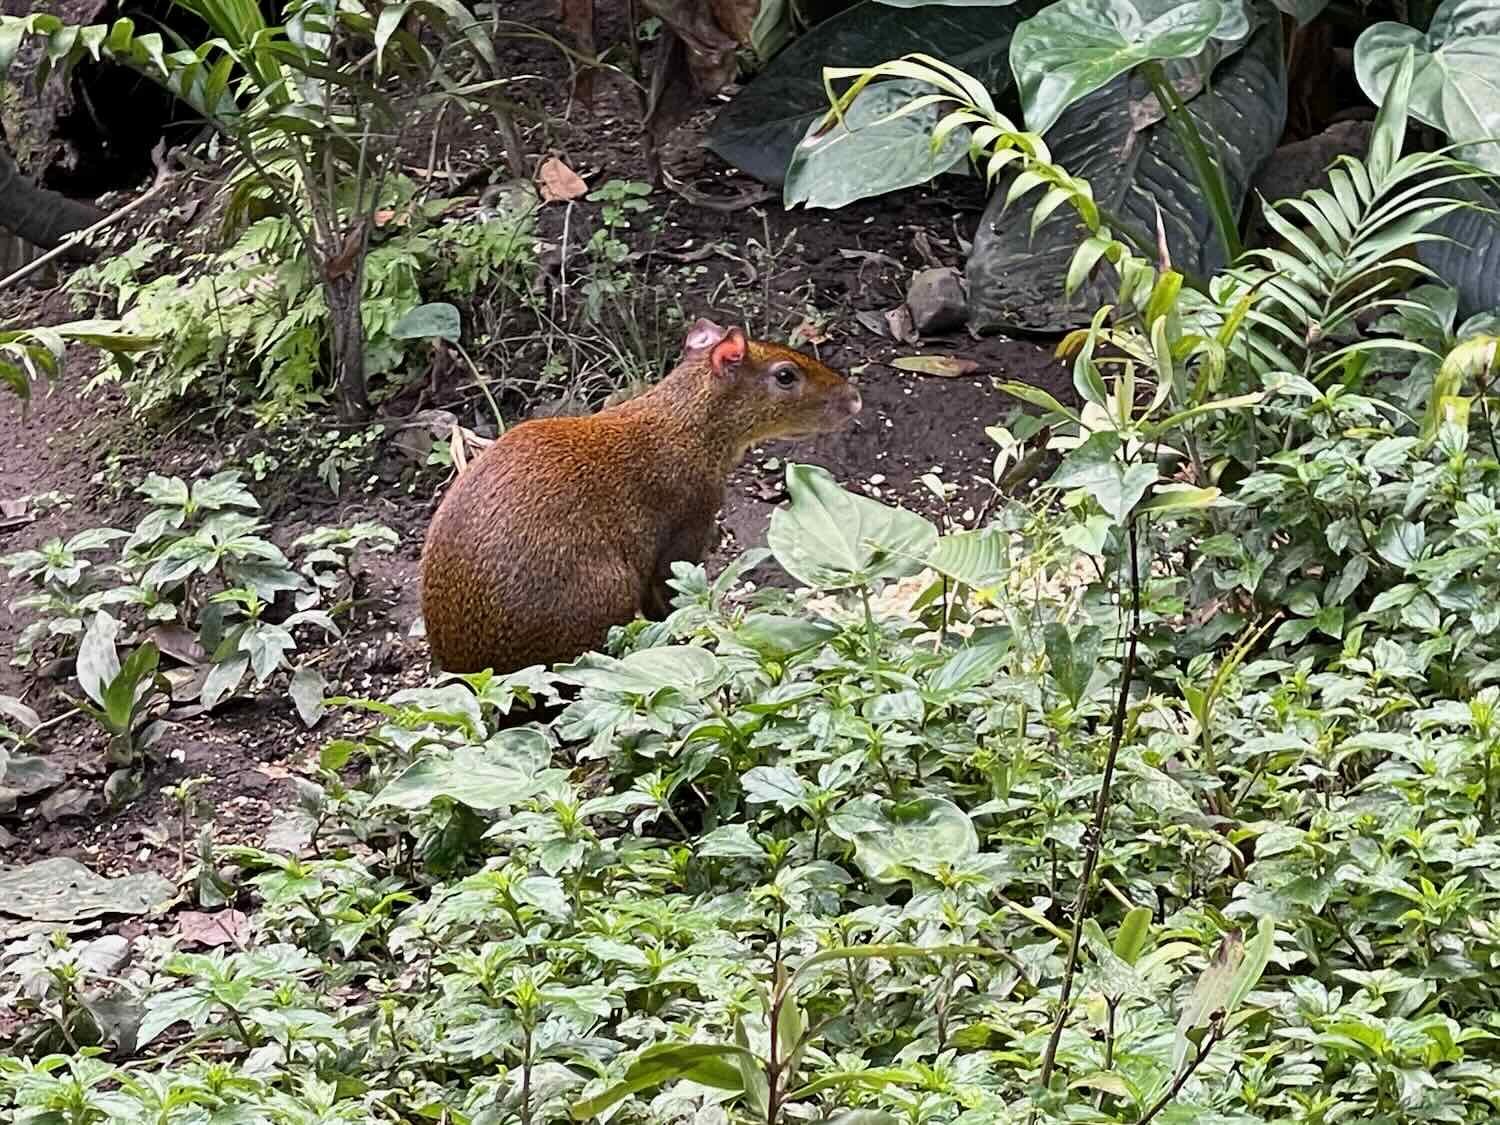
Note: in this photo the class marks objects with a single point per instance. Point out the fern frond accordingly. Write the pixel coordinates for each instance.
(1341, 251)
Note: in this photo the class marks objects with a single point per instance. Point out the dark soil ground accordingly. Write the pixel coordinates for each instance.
(829, 267)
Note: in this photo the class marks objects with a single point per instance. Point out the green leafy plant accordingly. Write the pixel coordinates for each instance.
(120, 693)
(316, 108)
(249, 323)
(198, 558)
(32, 355)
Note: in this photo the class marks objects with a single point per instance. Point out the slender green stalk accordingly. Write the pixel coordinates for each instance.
(1095, 835)
(1205, 167)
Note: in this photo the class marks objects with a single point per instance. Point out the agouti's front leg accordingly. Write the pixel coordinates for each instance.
(686, 544)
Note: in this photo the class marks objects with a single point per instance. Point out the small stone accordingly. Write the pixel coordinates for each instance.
(415, 438)
(936, 300)
(877, 478)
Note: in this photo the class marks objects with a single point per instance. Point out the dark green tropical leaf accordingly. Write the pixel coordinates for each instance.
(831, 539)
(1455, 82)
(1016, 280)
(760, 129)
(1073, 47)
(872, 152)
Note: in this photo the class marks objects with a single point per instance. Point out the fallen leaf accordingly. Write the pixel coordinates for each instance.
(222, 927)
(61, 889)
(808, 333)
(559, 182)
(945, 366)
(870, 256)
(899, 321)
(873, 322)
(177, 642)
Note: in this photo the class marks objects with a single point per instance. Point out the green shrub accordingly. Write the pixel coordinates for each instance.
(248, 325)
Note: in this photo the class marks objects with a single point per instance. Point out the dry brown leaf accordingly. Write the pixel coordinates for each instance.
(558, 182)
(945, 366)
(222, 927)
(808, 332)
(899, 321)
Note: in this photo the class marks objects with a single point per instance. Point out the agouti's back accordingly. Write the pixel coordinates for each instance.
(567, 526)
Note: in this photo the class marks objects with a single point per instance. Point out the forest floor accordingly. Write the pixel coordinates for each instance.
(826, 267)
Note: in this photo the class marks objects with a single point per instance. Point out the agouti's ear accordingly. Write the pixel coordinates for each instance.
(703, 335)
(728, 351)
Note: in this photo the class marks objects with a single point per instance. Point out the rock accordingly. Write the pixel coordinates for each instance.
(937, 301)
(1299, 167)
(415, 438)
(68, 803)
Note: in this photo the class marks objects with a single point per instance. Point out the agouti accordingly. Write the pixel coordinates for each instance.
(567, 526)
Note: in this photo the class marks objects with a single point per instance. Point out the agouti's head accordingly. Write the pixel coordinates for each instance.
(769, 391)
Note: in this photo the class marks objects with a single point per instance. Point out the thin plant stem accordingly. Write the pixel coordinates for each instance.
(1209, 1039)
(1210, 178)
(1101, 813)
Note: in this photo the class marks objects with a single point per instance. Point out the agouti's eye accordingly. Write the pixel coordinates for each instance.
(786, 376)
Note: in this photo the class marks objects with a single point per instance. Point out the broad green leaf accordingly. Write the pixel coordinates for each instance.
(1400, 542)
(1467, 253)
(684, 668)
(760, 129)
(970, 666)
(831, 539)
(1095, 466)
(774, 785)
(510, 768)
(308, 690)
(453, 701)
(729, 841)
(1016, 278)
(891, 838)
(1455, 83)
(137, 672)
(223, 679)
(98, 664)
(978, 559)
(1179, 497)
(1072, 657)
(1074, 47)
(873, 151)
(439, 320)
(780, 636)
(708, 1064)
(1131, 937)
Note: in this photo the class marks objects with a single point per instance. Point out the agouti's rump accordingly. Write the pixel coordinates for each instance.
(567, 526)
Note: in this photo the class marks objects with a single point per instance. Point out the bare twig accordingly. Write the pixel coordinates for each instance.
(163, 175)
(739, 202)
(1101, 813)
(1209, 1039)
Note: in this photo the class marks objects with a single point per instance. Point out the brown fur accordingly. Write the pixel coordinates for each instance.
(567, 526)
